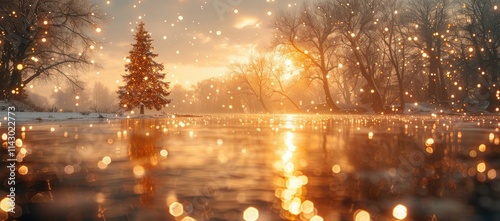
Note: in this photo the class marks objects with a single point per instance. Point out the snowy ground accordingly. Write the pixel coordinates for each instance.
(55, 116)
(23, 115)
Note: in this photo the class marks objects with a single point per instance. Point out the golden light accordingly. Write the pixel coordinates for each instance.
(188, 218)
(482, 148)
(139, 171)
(429, 142)
(400, 212)
(429, 150)
(472, 153)
(361, 215)
(316, 218)
(295, 206)
(20, 67)
(288, 62)
(289, 167)
(481, 167)
(106, 160)
(307, 207)
(69, 169)
(102, 165)
(23, 170)
(100, 197)
(98, 30)
(5, 204)
(164, 153)
(336, 168)
(19, 142)
(251, 214)
(492, 174)
(294, 182)
(176, 209)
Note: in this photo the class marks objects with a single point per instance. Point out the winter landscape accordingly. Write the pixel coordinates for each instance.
(250, 110)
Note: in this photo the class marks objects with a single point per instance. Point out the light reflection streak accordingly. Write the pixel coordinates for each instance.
(291, 182)
(144, 155)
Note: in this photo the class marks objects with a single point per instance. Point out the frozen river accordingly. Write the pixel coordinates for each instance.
(260, 167)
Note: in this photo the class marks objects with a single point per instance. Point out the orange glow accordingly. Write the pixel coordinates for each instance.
(400, 212)
(176, 209)
(361, 215)
(481, 167)
(23, 170)
(251, 214)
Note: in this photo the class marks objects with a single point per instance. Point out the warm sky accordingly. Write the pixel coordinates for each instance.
(195, 39)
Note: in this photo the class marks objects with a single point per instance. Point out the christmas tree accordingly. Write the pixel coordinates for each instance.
(144, 83)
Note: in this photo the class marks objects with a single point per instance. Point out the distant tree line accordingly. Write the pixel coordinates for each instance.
(98, 98)
(380, 55)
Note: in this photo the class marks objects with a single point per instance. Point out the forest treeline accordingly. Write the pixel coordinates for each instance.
(335, 55)
(327, 55)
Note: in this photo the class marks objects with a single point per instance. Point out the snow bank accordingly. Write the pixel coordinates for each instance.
(55, 116)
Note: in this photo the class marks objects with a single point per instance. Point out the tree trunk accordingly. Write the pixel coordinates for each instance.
(377, 103)
(142, 109)
(402, 104)
(347, 93)
(263, 105)
(432, 80)
(15, 84)
(328, 96)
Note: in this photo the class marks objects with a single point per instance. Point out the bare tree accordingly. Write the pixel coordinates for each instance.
(71, 99)
(357, 22)
(346, 80)
(255, 78)
(481, 48)
(44, 38)
(183, 100)
(397, 44)
(430, 19)
(310, 33)
(103, 100)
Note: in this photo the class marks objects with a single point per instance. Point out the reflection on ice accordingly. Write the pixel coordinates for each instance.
(260, 167)
(290, 183)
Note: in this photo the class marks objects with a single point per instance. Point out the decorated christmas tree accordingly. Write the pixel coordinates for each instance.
(144, 85)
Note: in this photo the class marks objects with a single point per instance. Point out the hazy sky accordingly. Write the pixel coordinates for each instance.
(195, 39)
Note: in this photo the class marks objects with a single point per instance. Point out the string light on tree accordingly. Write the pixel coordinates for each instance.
(144, 87)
